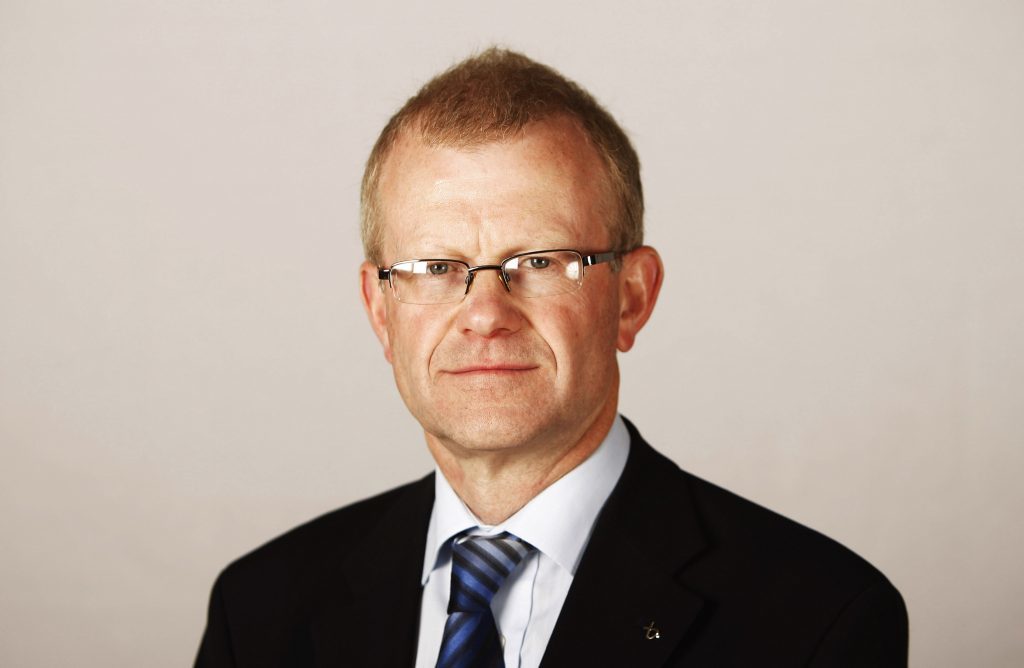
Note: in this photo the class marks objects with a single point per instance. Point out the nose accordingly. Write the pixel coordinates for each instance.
(488, 309)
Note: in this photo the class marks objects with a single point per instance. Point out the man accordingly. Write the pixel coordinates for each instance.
(502, 224)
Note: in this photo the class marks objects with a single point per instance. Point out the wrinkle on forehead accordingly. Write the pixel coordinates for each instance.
(541, 190)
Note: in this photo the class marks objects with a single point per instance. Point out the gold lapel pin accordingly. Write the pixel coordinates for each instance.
(652, 632)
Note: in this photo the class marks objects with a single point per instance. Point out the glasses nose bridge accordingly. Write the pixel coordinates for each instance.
(500, 268)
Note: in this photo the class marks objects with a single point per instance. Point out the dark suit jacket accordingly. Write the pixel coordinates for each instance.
(678, 572)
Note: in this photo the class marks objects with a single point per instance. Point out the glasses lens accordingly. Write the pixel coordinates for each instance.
(429, 281)
(544, 273)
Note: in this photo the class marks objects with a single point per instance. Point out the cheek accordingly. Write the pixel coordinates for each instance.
(414, 335)
(582, 334)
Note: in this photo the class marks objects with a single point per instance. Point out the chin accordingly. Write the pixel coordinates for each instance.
(485, 430)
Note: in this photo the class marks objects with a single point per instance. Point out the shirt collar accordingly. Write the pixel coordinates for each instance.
(558, 521)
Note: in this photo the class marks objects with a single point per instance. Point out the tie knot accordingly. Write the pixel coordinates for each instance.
(480, 565)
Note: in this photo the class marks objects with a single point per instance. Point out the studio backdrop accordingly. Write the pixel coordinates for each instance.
(186, 371)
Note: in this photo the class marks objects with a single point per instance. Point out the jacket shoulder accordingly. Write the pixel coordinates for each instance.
(319, 546)
(731, 519)
(735, 528)
(278, 604)
(792, 591)
(799, 590)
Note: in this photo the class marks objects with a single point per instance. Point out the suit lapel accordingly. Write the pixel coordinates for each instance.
(377, 625)
(626, 605)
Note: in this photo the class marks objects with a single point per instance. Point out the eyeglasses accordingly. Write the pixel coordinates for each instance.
(533, 274)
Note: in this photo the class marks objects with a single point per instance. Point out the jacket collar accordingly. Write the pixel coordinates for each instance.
(627, 605)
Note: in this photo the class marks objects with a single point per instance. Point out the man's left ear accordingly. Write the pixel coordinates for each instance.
(639, 284)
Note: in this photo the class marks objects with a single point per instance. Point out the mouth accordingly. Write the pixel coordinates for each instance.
(493, 369)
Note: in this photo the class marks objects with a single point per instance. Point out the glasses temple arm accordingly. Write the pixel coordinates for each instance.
(598, 258)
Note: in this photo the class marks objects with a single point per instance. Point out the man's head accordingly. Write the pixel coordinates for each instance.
(464, 181)
(490, 98)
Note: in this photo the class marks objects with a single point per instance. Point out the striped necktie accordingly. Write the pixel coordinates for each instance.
(480, 565)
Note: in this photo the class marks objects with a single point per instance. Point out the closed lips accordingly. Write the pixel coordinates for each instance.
(493, 367)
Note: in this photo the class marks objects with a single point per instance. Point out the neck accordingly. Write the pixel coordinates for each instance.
(494, 484)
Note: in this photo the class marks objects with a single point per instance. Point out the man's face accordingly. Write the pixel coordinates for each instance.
(497, 370)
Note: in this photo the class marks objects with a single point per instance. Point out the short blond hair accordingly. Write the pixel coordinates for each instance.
(492, 97)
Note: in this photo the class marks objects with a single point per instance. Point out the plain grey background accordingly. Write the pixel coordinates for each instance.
(185, 369)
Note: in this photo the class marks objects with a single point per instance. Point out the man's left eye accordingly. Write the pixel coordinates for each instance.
(539, 263)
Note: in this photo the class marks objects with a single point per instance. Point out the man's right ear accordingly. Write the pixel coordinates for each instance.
(375, 303)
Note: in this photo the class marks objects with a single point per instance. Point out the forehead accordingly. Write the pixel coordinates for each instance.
(547, 187)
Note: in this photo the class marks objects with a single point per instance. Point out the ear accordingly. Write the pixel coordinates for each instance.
(639, 284)
(375, 302)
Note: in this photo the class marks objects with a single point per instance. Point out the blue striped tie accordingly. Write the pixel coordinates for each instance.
(480, 564)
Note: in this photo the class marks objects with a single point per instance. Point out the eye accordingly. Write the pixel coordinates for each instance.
(438, 268)
(539, 263)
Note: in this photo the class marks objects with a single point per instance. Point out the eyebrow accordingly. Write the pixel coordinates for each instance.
(449, 253)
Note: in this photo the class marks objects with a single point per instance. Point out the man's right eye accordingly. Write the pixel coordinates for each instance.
(437, 268)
